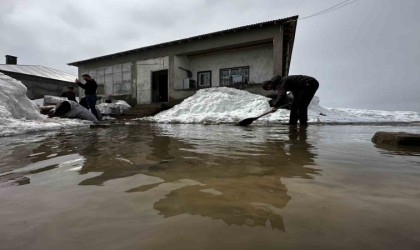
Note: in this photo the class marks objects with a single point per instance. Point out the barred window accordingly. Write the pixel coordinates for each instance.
(234, 76)
(204, 78)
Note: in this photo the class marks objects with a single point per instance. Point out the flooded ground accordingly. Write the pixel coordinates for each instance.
(152, 186)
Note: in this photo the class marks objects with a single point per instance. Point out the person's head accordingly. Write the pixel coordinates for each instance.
(60, 109)
(86, 77)
(70, 89)
(268, 85)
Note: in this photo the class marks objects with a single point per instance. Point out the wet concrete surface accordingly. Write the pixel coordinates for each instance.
(160, 186)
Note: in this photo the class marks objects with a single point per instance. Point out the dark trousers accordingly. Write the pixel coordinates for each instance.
(302, 98)
(91, 100)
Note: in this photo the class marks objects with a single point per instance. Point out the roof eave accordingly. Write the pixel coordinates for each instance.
(204, 36)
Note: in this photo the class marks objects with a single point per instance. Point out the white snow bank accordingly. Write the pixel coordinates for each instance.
(13, 100)
(116, 108)
(228, 105)
(11, 127)
(214, 105)
(20, 115)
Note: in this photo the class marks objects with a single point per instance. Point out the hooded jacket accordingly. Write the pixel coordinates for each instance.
(294, 84)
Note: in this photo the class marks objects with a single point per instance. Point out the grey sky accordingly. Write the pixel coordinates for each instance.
(365, 55)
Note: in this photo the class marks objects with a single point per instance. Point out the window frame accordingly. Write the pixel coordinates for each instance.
(198, 79)
(222, 80)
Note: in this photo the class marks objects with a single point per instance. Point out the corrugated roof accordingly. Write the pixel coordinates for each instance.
(38, 70)
(257, 25)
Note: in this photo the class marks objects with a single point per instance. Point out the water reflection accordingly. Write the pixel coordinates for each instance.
(237, 172)
(234, 173)
(25, 156)
(398, 150)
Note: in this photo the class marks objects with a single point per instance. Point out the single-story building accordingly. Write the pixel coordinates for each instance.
(39, 80)
(169, 72)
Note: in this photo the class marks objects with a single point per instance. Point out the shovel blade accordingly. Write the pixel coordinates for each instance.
(246, 121)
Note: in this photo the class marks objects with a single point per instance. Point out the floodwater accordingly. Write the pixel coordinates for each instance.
(154, 186)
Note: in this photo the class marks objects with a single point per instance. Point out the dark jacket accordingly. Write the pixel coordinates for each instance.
(90, 87)
(289, 83)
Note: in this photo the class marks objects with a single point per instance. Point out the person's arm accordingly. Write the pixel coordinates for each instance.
(281, 94)
(280, 101)
(79, 83)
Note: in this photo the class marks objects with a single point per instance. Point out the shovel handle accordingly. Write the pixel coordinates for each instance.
(266, 113)
(272, 111)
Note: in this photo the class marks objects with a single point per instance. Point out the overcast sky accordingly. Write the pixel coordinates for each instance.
(365, 55)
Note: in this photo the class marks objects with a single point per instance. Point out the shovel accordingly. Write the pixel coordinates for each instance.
(248, 121)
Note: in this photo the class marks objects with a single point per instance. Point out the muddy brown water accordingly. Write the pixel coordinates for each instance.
(152, 186)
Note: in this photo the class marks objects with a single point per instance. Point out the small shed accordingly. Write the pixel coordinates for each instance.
(39, 80)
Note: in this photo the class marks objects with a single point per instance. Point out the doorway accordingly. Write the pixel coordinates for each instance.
(160, 86)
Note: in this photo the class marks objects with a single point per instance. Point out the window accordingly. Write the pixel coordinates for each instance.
(204, 79)
(234, 76)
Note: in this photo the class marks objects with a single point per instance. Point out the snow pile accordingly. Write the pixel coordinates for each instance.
(20, 115)
(214, 105)
(13, 100)
(229, 105)
(113, 108)
(342, 115)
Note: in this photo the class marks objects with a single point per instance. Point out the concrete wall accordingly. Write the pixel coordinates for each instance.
(176, 76)
(144, 77)
(179, 74)
(258, 58)
(39, 86)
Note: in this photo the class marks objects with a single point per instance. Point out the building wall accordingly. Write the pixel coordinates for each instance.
(39, 86)
(197, 54)
(258, 58)
(179, 74)
(177, 77)
(144, 77)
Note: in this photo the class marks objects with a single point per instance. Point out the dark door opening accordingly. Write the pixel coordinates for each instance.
(160, 86)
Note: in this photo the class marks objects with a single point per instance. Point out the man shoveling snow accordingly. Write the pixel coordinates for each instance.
(303, 89)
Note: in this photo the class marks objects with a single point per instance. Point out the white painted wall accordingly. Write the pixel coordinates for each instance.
(258, 58)
(144, 77)
(180, 75)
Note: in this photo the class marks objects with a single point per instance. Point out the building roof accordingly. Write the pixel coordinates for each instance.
(190, 39)
(38, 70)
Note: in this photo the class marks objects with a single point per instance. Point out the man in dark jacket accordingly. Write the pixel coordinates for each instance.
(303, 89)
(90, 92)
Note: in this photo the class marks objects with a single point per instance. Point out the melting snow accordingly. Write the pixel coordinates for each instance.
(20, 115)
(228, 105)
